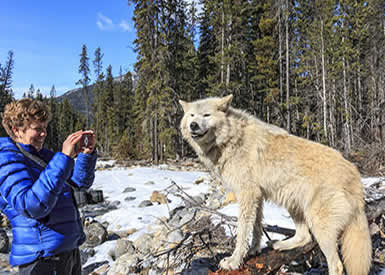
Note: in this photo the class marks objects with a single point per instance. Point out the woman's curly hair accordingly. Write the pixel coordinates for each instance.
(21, 113)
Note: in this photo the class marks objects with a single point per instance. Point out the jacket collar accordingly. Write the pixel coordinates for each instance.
(29, 148)
(6, 143)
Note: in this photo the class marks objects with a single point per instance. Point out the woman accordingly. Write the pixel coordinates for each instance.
(38, 201)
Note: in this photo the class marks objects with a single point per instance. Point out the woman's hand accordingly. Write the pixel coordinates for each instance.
(70, 143)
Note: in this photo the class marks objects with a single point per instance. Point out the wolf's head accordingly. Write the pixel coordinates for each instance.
(204, 119)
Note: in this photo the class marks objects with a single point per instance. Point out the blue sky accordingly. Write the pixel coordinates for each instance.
(47, 38)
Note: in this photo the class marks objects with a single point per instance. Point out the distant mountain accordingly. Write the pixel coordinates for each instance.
(77, 99)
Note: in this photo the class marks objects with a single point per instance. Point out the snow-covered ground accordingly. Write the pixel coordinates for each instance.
(143, 182)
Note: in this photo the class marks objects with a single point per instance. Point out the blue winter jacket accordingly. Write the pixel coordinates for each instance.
(38, 202)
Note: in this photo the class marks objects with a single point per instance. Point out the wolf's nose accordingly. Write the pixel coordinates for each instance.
(194, 126)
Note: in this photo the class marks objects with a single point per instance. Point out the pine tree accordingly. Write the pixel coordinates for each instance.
(264, 92)
(109, 111)
(39, 95)
(126, 127)
(6, 94)
(31, 91)
(206, 49)
(97, 91)
(52, 139)
(6, 72)
(52, 92)
(84, 70)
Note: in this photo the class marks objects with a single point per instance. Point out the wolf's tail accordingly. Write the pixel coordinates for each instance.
(357, 246)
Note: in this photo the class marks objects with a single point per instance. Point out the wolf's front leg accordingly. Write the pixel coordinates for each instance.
(249, 229)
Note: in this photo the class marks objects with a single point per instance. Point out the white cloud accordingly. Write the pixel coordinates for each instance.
(125, 26)
(104, 23)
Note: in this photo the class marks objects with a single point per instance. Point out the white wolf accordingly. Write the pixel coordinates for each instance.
(321, 190)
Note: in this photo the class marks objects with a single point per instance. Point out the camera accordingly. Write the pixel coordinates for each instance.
(84, 197)
(85, 140)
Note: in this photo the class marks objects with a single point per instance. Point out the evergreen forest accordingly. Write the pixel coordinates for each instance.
(313, 67)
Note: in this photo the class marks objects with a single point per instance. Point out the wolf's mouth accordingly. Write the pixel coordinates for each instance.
(196, 135)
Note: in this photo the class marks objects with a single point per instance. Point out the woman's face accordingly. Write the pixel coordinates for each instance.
(34, 134)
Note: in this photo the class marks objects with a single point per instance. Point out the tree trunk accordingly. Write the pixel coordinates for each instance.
(156, 140)
(280, 56)
(228, 64)
(324, 98)
(287, 67)
(87, 112)
(222, 47)
(359, 87)
(332, 113)
(348, 139)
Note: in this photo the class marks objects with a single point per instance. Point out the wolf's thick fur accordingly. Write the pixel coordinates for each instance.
(321, 190)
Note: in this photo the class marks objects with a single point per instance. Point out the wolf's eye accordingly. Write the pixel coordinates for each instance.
(206, 115)
(192, 115)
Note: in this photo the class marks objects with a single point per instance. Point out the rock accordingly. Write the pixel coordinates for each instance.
(143, 244)
(114, 205)
(122, 247)
(101, 270)
(125, 264)
(180, 217)
(129, 189)
(5, 267)
(126, 233)
(160, 238)
(91, 269)
(374, 229)
(163, 167)
(85, 253)
(230, 198)
(213, 203)
(199, 180)
(186, 217)
(4, 222)
(130, 199)
(175, 237)
(4, 241)
(189, 164)
(88, 220)
(149, 183)
(176, 217)
(158, 197)
(161, 220)
(93, 210)
(145, 203)
(197, 200)
(96, 234)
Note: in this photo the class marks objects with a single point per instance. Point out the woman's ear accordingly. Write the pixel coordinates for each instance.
(16, 131)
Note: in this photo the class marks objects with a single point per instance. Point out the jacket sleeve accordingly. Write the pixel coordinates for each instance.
(84, 172)
(33, 199)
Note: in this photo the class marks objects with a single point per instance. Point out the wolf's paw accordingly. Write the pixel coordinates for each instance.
(230, 263)
(289, 244)
(283, 245)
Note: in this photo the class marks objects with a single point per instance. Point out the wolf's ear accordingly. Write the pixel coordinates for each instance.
(224, 103)
(184, 105)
